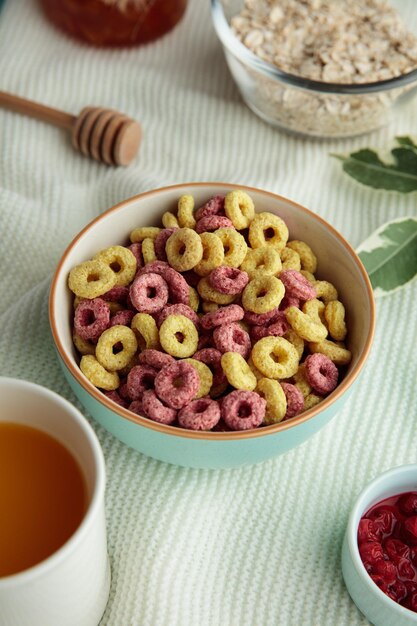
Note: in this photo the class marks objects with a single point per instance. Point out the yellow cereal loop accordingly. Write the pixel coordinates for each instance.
(261, 261)
(208, 307)
(290, 259)
(207, 292)
(258, 374)
(262, 294)
(185, 211)
(305, 326)
(97, 375)
(275, 357)
(234, 246)
(144, 232)
(338, 354)
(106, 343)
(121, 261)
(315, 309)
(169, 220)
(296, 341)
(325, 291)
(334, 314)
(213, 254)
(276, 401)
(268, 229)
(311, 400)
(148, 251)
(237, 371)
(307, 257)
(239, 208)
(301, 382)
(83, 347)
(184, 249)
(310, 277)
(146, 331)
(91, 279)
(205, 376)
(194, 300)
(178, 336)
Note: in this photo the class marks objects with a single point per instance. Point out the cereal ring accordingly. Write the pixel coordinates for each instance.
(140, 379)
(179, 346)
(91, 318)
(108, 340)
(228, 280)
(260, 319)
(205, 376)
(209, 307)
(310, 277)
(268, 229)
(212, 358)
(217, 391)
(301, 381)
(278, 328)
(237, 371)
(179, 290)
(338, 354)
(263, 294)
(144, 232)
(169, 220)
(307, 257)
(155, 358)
(148, 250)
(296, 286)
(276, 401)
(290, 259)
(122, 318)
(239, 208)
(201, 414)
(205, 340)
(315, 309)
(296, 341)
(288, 301)
(334, 314)
(184, 249)
(234, 245)
(263, 260)
(311, 400)
(225, 315)
(214, 206)
(149, 293)
(178, 309)
(305, 326)
(117, 294)
(275, 357)
(97, 375)
(136, 250)
(194, 299)
(156, 410)
(83, 347)
(258, 374)
(325, 291)
(146, 331)
(213, 254)
(114, 397)
(242, 410)
(212, 222)
(295, 400)
(121, 261)
(321, 373)
(232, 338)
(91, 279)
(177, 384)
(137, 407)
(185, 211)
(160, 242)
(207, 292)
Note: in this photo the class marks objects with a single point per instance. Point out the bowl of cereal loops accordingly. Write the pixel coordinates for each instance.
(210, 325)
(321, 68)
(379, 557)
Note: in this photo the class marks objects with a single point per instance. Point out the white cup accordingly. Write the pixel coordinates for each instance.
(71, 587)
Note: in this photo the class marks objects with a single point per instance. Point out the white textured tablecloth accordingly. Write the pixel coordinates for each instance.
(254, 546)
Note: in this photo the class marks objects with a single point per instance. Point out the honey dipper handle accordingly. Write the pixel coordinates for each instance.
(38, 111)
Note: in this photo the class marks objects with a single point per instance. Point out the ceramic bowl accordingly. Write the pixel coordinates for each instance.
(338, 263)
(368, 597)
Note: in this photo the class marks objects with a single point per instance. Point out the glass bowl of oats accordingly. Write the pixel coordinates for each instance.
(321, 68)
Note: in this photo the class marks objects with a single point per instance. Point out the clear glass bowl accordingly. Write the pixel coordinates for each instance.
(310, 107)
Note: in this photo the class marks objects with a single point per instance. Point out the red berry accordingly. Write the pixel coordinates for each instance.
(386, 569)
(407, 504)
(367, 531)
(383, 518)
(405, 569)
(396, 550)
(409, 530)
(371, 552)
(397, 591)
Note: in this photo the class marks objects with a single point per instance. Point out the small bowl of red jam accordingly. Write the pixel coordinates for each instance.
(379, 555)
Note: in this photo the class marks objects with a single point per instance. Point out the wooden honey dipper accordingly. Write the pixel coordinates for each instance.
(102, 134)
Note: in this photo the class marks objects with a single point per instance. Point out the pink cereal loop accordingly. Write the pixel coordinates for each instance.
(160, 241)
(321, 373)
(149, 293)
(232, 338)
(228, 280)
(137, 407)
(201, 414)
(288, 301)
(179, 290)
(213, 222)
(155, 358)
(224, 315)
(156, 410)
(117, 294)
(212, 358)
(296, 285)
(115, 397)
(177, 384)
(140, 379)
(123, 318)
(260, 319)
(214, 206)
(91, 318)
(243, 410)
(295, 400)
(136, 249)
(277, 328)
(178, 309)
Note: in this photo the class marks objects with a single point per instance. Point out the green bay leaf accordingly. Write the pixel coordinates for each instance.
(390, 255)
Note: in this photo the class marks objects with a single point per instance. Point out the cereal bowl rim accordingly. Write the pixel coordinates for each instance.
(209, 435)
(239, 50)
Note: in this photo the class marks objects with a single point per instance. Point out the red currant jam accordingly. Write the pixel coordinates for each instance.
(387, 541)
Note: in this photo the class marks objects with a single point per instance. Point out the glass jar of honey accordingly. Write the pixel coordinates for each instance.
(115, 22)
